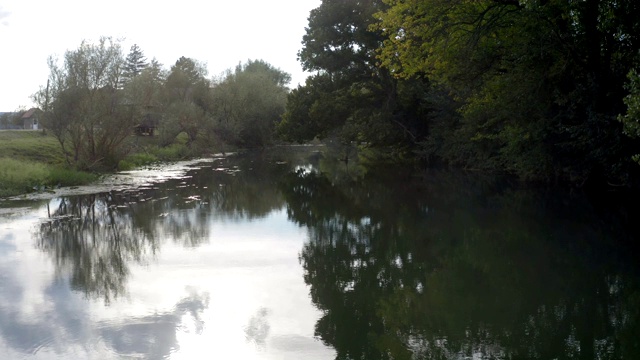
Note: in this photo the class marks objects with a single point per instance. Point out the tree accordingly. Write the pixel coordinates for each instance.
(134, 63)
(539, 84)
(85, 109)
(147, 89)
(631, 119)
(186, 98)
(349, 99)
(248, 103)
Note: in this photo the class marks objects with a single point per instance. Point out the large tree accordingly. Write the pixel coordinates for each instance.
(350, 98)
(85, 109)
(186, 99)
(248, 103)
(540, 83)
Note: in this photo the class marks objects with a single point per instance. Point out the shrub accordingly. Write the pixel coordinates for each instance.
(59, 176)
(136, 160)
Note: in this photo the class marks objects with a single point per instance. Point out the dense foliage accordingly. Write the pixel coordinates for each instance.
(248, 102)
(534, 88)
(97, 98)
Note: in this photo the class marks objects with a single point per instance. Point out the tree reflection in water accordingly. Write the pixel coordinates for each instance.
(97, 237)
(449, 268)
(446, 266)
(94, 239)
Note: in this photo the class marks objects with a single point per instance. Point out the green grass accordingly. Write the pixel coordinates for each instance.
(18, 176)
(62, 176)
(30, 145)
(173, 152)
(23, 176)
(135, 160)
(31, 161)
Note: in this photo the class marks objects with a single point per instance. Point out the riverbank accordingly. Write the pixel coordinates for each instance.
(32, 161)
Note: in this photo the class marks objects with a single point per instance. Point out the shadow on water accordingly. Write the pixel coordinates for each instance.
(454, 266)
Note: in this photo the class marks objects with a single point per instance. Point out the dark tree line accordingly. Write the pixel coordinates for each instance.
(541, 89)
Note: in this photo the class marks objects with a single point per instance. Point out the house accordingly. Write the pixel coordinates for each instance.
(148, 125)
(30, 119)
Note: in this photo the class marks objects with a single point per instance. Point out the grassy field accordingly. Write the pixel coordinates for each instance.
(31, 161)
(30, 145)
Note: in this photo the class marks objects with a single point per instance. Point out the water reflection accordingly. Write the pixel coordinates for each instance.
(446, 268)
(96, 237)
(155, 336)
(399, 266)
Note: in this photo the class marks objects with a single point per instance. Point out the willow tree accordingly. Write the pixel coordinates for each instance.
(84, 108)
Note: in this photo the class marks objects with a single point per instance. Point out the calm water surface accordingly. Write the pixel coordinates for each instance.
(289, 254)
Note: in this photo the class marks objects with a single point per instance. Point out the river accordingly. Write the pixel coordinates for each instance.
(291, 254)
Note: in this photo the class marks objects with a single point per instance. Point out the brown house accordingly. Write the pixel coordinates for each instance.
(30, 119)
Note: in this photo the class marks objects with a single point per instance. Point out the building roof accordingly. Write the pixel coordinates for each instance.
(29, 113)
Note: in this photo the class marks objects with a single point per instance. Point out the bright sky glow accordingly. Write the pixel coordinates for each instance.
(238, 295)
(219, 33)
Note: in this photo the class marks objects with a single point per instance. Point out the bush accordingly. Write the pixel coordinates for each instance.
(172, 152)
(136, 160)
(68, 177)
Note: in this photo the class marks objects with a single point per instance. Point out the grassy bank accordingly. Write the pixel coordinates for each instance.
(33, 146)
(32, 161)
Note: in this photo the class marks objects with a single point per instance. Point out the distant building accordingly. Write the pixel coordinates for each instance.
(148, 125)
(30, 119)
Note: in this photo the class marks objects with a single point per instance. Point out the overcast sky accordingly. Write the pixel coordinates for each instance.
(219, 33)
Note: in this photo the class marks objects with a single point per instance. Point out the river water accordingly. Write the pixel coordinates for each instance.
(291, 254)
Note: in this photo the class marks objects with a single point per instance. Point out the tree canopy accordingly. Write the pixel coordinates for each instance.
(248, 103)
(97, 98)
(85, 111)
(533, 88)
(349, 98)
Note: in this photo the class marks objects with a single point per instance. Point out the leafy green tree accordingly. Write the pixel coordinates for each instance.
(350, 99)
(187, 97)
(248, 103)
(341, 97)
(146, 90)
(85, 110)
(631, 119)
(539, 83)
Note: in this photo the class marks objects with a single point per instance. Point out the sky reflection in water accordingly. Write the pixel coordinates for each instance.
(179, 277)
(295, 255)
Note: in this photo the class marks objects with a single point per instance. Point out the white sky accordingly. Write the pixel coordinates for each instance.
(219, 33)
